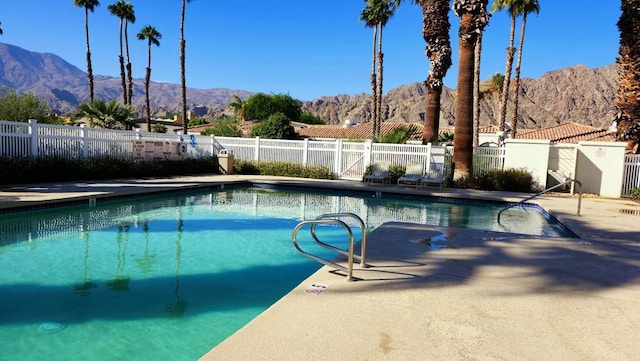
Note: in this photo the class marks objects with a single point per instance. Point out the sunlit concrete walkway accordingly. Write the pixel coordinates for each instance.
(434, 293)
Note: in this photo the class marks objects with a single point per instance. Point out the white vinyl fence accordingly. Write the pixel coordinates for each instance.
(347, 160)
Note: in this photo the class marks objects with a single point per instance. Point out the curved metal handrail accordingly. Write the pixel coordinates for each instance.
(363, 228)
(348, 253)
(545, 191)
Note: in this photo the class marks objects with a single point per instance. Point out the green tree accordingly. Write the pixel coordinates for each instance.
(260, 106)
(124, 11)
(183, 81)
(277, 126)
(223, 127)
(89, 6)
(152, 36)
(21, 108)
(108, 115)
(309, 118)
(399, 135)
(628, 118)
(473, 18)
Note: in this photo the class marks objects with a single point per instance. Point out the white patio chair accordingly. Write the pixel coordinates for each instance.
(412, 175)
(379, 173)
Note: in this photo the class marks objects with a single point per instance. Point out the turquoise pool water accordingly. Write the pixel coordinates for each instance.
(168, 278)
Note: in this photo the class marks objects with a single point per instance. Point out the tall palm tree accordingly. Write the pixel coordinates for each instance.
(473, 18)
(183, 81)
(388, 9)
(511, 5)
(119, 9)
(89, 6)
(153, 37)
(129, 17)
(524, 8)
(628, 119)
(369, 16)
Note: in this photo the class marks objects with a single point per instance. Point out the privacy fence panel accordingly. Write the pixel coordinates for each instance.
(631, 174)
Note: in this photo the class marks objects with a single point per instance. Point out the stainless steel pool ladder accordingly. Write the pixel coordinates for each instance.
(334, 219)
(545, 191)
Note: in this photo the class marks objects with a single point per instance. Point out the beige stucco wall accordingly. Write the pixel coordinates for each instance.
(532, 155)
(600, 167)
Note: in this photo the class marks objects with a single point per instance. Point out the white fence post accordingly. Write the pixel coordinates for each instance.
(367, 153)
(84, 141)
(305, 151)
(33, 132)
(337, 160)
(256, 152)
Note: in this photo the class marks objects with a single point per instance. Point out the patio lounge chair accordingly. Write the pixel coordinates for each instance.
(435, 176)
(412, 175)
(379, 173)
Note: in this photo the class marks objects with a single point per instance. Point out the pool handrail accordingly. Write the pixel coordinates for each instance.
(545, 191)
(334, 219)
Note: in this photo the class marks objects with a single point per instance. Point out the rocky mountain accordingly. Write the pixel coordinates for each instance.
(577, 94)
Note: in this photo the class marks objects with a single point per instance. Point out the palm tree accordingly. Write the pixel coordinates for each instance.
(512, 6)
(628, 119)
(108, 115)
(183, 82)
(119, 9)
(153, 37)
(129, 17)
(435, 31)
(473, 18)
(524, 8)
(88, 5)
(0, 29)
(476, 91)
(238, 107)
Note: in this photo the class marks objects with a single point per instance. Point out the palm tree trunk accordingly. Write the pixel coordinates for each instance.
(507, 77)
(476, 92)
(89, 68)
(374, 84)
(129, 75)
(147, 80)
(185, 121)
(628, 122)
(516, 81)
(462, 140)
(380, 68)
(432, 115)
(123, 79)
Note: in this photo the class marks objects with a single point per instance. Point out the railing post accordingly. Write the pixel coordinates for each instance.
(138, 135)
(212, 146)
(428, 157)
(33, 132)
(84, 142)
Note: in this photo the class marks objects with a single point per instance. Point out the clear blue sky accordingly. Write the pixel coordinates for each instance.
(302, 48)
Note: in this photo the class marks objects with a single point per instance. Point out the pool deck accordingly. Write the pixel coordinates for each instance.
(463, 295)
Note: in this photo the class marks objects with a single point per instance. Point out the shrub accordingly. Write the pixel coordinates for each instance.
(635, 194)
(512, 180)
(33, 170)
(283, 169)
(278, 126)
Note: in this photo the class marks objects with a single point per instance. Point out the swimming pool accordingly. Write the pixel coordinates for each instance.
(169, 277)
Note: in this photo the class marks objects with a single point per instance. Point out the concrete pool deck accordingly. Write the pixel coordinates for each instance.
(465, 295)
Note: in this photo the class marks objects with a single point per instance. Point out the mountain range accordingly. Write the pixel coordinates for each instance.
(575, 94)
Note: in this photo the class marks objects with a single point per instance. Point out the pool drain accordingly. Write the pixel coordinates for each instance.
(51, 327)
